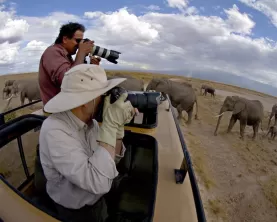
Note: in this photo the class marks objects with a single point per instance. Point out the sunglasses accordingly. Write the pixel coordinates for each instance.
(78, 40)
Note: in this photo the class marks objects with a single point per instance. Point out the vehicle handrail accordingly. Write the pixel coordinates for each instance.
(2, 115)
(22, 124)
(189, 168)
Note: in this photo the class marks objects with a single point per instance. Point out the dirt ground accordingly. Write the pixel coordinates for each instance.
(237, 179)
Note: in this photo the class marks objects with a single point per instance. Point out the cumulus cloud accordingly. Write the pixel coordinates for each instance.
(12, 31)
(180, 4)
(239, 22)
(158, 41)
(267, 7)
(122, 27)
(8, 53)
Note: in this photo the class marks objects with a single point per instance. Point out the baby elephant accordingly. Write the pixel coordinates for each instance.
(208, 89)
(273, 131)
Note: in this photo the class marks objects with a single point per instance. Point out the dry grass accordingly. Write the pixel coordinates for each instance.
(270, 189)
(199, 160)
(10, 116)
(215, 207)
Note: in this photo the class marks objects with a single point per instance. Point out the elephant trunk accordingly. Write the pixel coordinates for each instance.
(218, 121)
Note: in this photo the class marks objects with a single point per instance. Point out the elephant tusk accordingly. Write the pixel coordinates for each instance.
(219, 115)
(10, 97)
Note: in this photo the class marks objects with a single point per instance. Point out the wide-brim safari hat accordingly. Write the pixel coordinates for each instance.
(80, 85)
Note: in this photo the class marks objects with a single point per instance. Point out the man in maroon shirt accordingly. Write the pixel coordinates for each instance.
(57, 59)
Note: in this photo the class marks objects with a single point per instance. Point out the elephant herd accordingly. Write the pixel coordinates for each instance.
(182, 96)
(248, 112)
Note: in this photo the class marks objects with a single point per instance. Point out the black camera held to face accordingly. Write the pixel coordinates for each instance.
(110, 55)
(143, 101)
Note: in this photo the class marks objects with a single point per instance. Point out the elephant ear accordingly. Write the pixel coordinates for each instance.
(239, 106)
(160, 86)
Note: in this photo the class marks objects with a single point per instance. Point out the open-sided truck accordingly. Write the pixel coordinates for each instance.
(160, 185)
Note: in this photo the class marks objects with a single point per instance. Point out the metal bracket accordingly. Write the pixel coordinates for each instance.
(180, 175)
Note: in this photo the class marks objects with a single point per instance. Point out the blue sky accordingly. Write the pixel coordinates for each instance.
(43, 8)
(237, 36)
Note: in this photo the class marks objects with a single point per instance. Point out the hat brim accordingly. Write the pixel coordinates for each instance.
(64, 101)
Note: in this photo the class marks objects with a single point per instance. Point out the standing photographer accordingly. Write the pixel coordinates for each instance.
(57, 59)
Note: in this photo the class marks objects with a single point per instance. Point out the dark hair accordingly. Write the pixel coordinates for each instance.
(68, 30)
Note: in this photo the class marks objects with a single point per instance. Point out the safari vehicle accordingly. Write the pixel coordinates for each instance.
(161, 185)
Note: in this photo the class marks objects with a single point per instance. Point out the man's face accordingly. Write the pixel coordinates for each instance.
(71, 45)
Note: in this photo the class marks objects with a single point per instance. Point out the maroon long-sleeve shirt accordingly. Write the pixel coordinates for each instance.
(54, 62)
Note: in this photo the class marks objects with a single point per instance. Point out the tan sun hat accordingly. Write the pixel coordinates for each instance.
(81, 84)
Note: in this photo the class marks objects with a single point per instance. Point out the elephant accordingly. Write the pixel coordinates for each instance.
(181, 81)
(273, 113)
(208, 89)
(9, 82)
(28, 88)
(130, 84)
(182, 96)
(7, 91)
(273, 132)
(248, 112)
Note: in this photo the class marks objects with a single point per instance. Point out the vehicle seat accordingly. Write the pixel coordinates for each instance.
(41, 197)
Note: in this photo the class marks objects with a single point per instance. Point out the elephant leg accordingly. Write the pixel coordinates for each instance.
(255, 130)
(242, 128)
(269, 131)
(189, 116)
(179, 109)
(169, 104)
(274, 136)
(22, 98)
(232, 122)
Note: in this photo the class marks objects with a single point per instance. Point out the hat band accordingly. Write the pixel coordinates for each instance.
(92, 88)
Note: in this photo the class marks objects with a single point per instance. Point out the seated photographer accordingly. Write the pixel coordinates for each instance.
(77, 155)
(57, 59)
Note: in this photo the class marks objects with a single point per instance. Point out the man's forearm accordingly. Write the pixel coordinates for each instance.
(80, 57)
(118, 147)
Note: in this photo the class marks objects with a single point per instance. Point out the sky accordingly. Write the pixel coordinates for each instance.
(208, 36)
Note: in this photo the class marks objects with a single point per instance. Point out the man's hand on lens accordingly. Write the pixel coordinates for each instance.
(120, 132)
(85, 47)
(115, 116)
(94, 60)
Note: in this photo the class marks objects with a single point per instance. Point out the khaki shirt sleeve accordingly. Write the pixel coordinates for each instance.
(94, 174)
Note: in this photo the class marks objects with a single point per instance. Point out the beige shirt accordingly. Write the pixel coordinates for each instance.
(78, 170)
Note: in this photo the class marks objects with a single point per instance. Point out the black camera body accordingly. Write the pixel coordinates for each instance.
(146, 102)
(110, 55)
